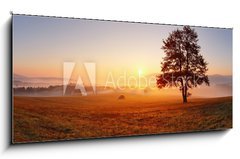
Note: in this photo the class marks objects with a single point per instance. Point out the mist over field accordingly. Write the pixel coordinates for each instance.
(220, 86)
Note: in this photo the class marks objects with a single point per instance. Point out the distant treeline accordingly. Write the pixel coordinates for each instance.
(45, 91)
(56, 90)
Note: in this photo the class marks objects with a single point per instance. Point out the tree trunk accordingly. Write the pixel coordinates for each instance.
(185, 99)
(183, 96)
(184, 93)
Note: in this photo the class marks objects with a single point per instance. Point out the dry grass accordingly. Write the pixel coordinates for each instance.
(58, 118)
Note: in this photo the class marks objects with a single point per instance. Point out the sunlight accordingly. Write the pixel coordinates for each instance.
(140, 72)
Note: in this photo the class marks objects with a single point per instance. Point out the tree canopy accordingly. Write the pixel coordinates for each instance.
(183, 66)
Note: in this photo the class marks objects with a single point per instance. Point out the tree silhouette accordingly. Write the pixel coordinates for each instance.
(183, 66)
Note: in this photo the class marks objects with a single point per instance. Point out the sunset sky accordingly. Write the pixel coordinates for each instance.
(42, 44)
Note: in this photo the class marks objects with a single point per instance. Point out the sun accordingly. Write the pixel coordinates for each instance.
(140, 72)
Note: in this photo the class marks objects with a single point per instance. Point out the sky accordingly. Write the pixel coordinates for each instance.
(42, 44)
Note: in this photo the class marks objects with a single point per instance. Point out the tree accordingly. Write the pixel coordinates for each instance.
(183, 66)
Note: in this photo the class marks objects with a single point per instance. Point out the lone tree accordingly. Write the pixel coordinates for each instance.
(183, 66)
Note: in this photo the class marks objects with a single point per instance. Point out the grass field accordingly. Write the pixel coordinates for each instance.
(57, 118)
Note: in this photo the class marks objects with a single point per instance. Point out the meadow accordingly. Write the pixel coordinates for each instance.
(37, 119)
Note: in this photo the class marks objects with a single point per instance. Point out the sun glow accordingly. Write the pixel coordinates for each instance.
(140, 72)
